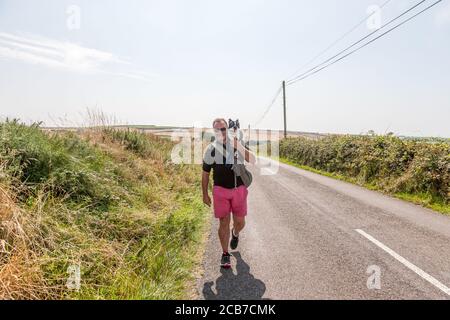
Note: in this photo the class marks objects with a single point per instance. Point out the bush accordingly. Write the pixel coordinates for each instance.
(61, 163)
(139, 142)
(387, 162)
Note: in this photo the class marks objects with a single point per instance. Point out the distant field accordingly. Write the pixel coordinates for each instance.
(168, 130)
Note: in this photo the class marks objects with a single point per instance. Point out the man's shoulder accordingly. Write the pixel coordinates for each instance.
(210, 148)
(209, 155)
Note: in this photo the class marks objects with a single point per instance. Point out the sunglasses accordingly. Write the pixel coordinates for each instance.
(220, 129)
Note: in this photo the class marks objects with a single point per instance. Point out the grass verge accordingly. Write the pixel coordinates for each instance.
(107, 201)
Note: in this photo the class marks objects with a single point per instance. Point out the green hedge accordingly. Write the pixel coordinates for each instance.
(386, 162)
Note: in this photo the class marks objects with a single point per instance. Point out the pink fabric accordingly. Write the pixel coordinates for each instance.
(228, 201)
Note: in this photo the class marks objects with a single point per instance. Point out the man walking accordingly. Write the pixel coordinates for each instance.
(229, 191)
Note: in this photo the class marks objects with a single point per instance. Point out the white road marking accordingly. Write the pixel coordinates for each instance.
(406, 263)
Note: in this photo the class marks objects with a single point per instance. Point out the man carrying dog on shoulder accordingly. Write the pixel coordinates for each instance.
(226, 157)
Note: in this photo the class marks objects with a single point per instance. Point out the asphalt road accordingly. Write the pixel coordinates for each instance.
(313, 237)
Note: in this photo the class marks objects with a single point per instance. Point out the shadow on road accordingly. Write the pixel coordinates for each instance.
(229, 286)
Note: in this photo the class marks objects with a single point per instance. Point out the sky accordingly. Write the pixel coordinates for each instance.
(184, 63)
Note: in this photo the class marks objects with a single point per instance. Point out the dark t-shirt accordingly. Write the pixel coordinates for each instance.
(223, 175)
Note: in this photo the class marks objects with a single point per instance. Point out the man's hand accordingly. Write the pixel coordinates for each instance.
(235, 143)
(205, 182)
(248, 156)
(207, 200)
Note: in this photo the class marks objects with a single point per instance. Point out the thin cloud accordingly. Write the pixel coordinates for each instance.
(65, 56)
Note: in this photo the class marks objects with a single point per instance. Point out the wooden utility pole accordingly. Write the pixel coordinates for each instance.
(284, 108)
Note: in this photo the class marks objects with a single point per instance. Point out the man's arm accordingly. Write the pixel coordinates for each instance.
(248, 155)
(205, 183)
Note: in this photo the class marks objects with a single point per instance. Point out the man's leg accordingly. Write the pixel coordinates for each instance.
(224, 232)
(222, 211)
(239, 209)
(238, 224)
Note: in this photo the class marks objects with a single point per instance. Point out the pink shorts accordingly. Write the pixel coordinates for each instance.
(230, 200)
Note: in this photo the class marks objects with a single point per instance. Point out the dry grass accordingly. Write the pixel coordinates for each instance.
(127, 216)
(20, 275)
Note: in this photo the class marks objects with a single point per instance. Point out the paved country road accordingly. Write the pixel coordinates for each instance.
(313, 237)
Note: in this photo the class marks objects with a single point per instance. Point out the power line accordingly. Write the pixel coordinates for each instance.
(321, 67)
(293, 80)
(367, 43)
(337, 41)
(269, 107)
